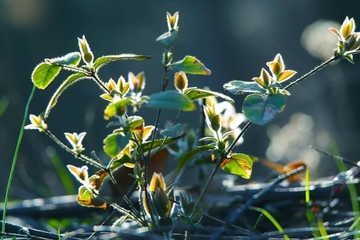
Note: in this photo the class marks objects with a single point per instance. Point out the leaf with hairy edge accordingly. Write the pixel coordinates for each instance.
(65, 84)
(72, 59)
(240, 87)
(101, 61)
(170, 100)
(160, 142)
(194, 93)
(191, 65)
(239, 164)
(116, 108)
(190, 154)
(261, 109)
(44, 74)
(115, 143)
(118, 162)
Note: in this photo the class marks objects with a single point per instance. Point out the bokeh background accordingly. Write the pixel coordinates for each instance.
(234, 38)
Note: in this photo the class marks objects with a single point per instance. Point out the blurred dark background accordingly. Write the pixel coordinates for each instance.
(234, 38)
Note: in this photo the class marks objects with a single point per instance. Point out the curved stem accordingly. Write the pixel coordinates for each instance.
(306, 75)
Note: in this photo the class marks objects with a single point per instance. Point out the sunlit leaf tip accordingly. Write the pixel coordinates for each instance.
(190, 64)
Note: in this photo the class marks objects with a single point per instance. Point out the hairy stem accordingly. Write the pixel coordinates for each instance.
(306, 75)
(78, 156)
(99, 82)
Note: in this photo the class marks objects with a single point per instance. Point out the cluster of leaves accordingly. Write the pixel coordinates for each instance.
(132, 143)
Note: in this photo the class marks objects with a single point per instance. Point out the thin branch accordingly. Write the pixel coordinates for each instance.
(82, 157)
(306, 75)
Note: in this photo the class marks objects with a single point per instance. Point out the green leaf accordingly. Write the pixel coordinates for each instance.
(240, 87)
(239, 164)
(171, 132)
(168, 37)
(115, 143)
(116, 108)
(160, 142)
(190, 154)
(72, 59)
(198, 93)
(191, 65)
(170, 100)
(117, 163)
(44, 74)
(261, 109)
(65, 84)
(101, 61)
(134, 122)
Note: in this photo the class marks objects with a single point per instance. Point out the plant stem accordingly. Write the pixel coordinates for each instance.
(220, 160)
(211, 177)
(14, 160)
(306, 75)
(78, 156)
(99, 82)
(243, 130)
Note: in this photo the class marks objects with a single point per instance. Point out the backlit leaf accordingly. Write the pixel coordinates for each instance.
(72, 59)
(160, 142)
(116, 108)
(198, 93)
(239, 164)
(261, 109)
(115, 143)
(168, 37)
(101, 61)
(44, 74)
(240, 87)
(65, 84)
(191, 65)
(170, 100)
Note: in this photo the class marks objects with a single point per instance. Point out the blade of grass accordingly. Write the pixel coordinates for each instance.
(14, 160)
(351, 187)
(272, 220)
(4, 103)
(309, 214)
(61, 170)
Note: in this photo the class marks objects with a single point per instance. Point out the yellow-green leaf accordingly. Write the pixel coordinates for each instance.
(239, 164)
(101, 61)
(115, 143)
(190, 64)
(44, 74)
(116, 108)
(198, 93)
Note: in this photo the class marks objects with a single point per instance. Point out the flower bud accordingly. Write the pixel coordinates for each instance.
(181, 81)
(86, 52)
